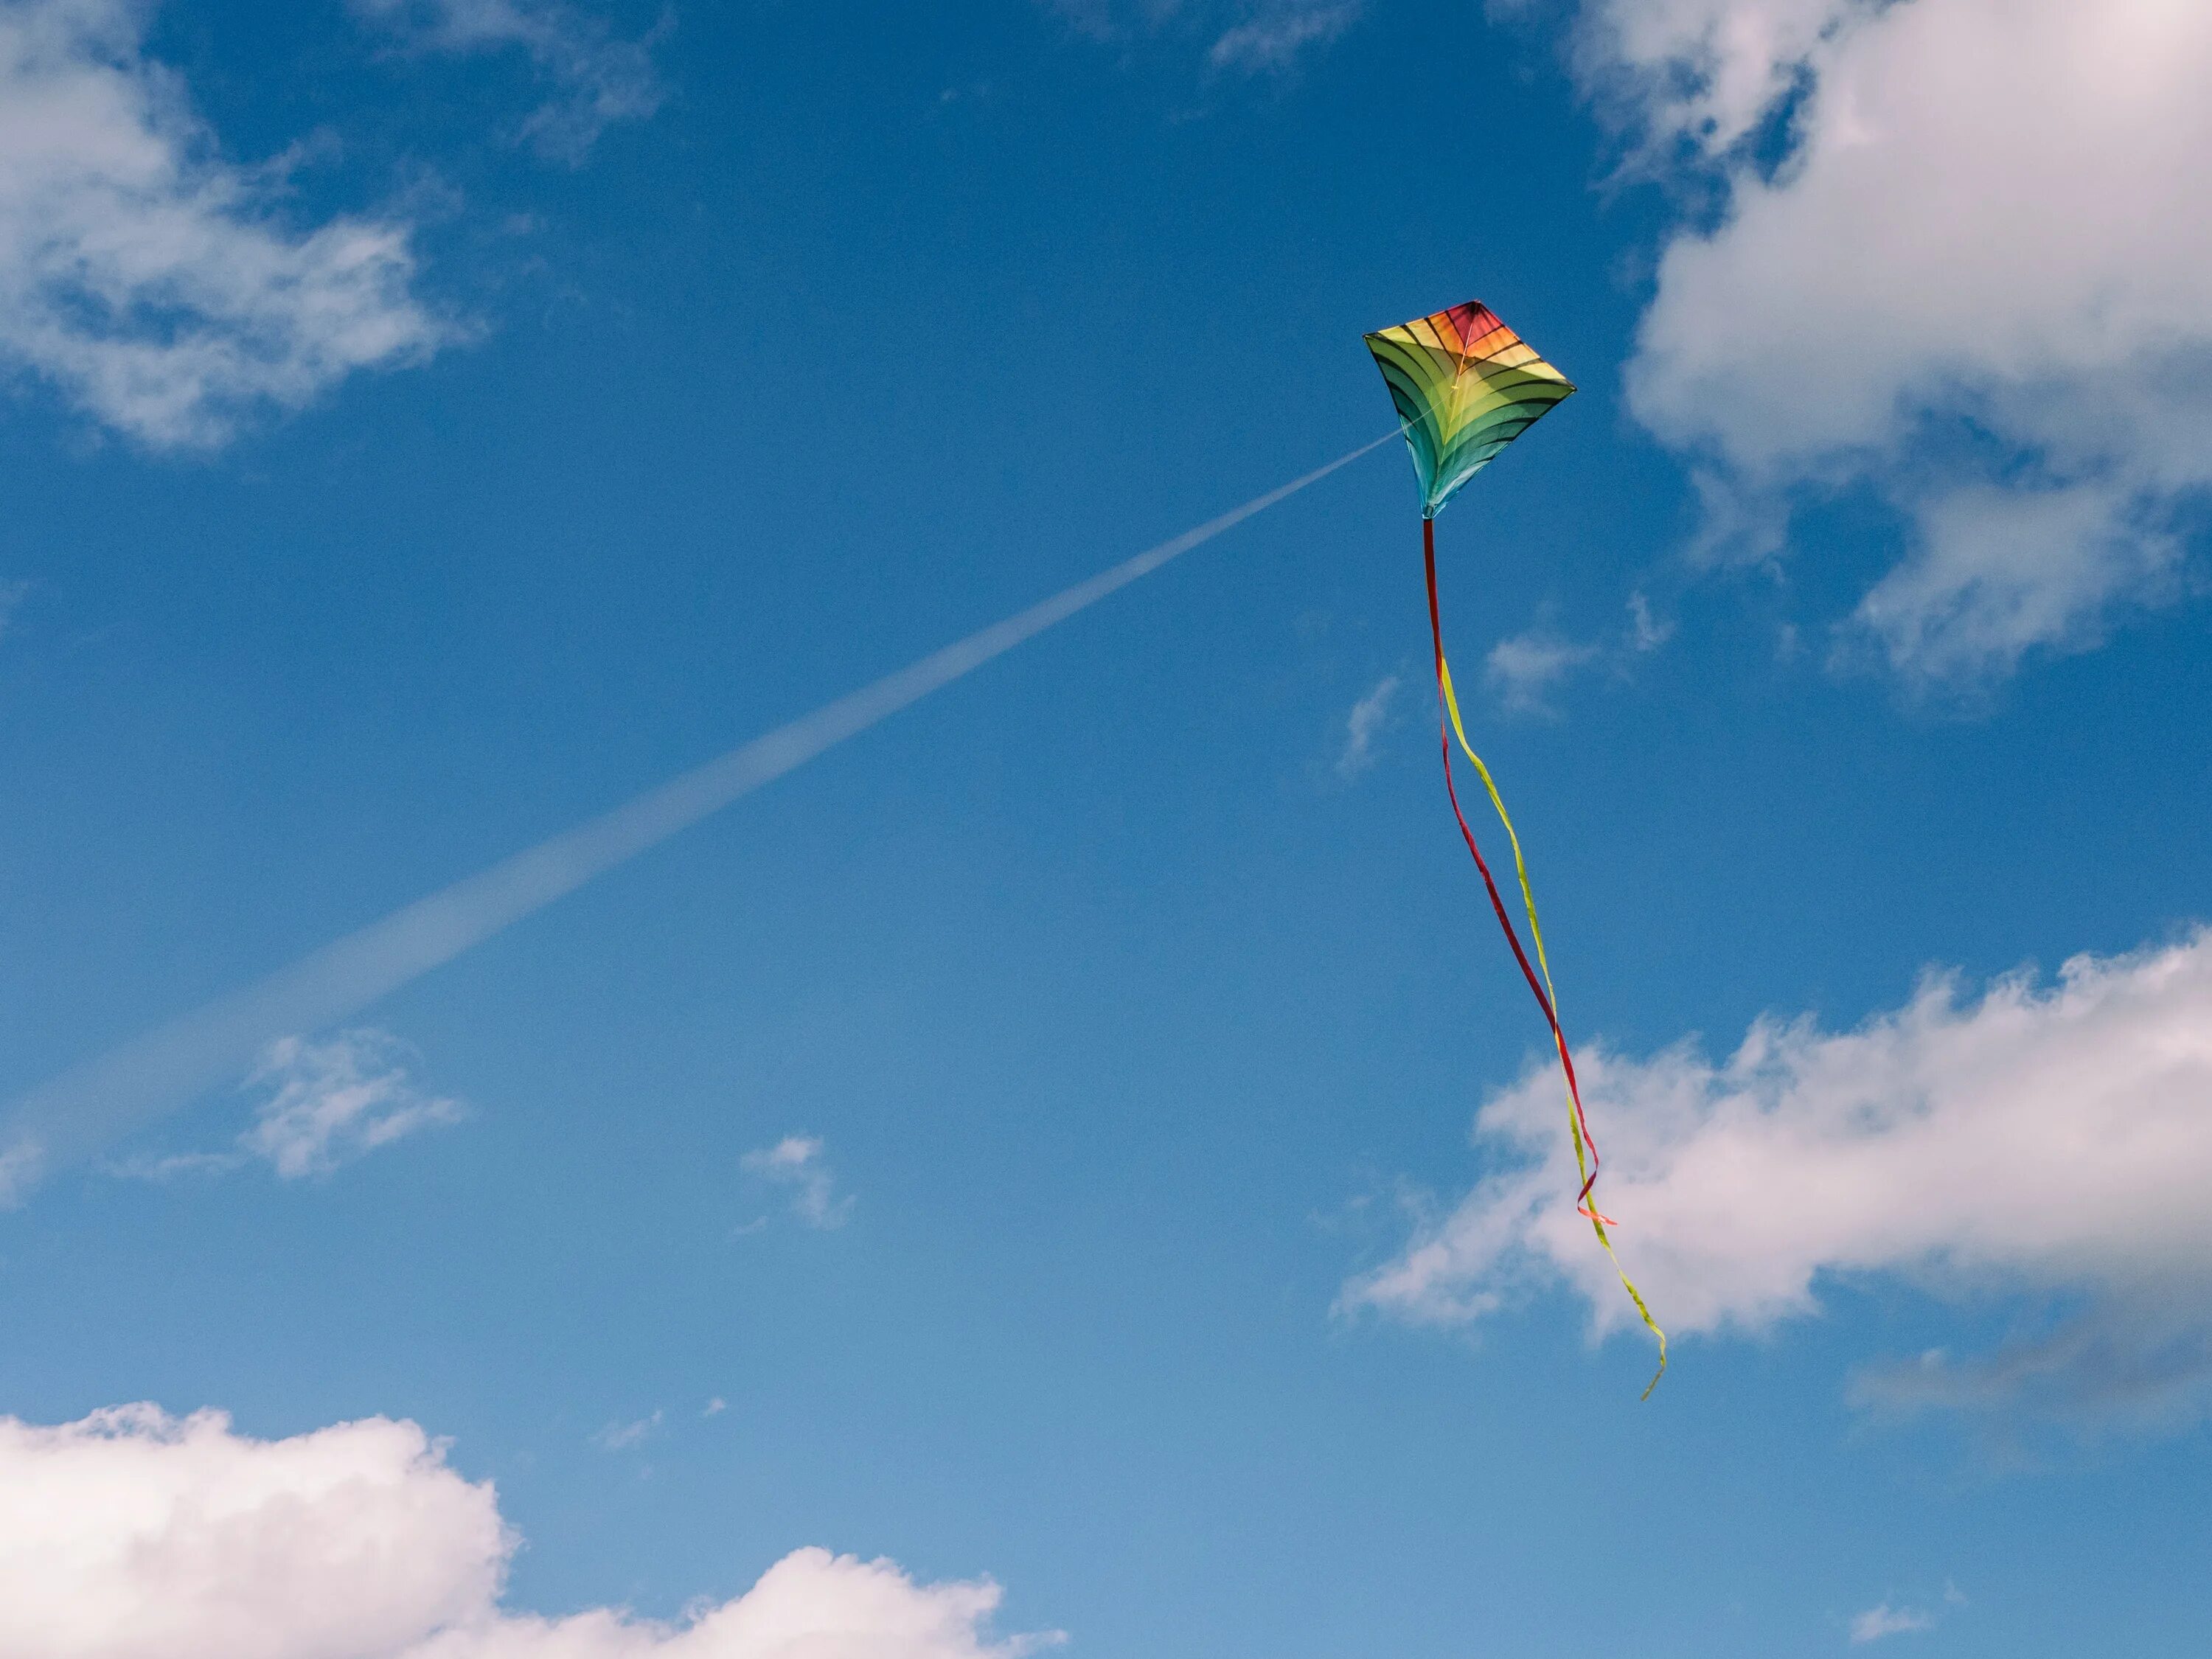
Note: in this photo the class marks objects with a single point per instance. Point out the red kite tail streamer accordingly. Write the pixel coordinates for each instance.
(1585, 1144)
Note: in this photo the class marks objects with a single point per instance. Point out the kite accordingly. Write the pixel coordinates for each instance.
(1466, 386)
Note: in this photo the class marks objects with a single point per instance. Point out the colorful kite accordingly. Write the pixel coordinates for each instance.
(1467, 385)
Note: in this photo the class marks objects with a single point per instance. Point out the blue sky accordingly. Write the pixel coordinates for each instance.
(1082, 1134)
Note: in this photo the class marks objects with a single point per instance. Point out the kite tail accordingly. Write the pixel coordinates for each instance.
(1585, 1144)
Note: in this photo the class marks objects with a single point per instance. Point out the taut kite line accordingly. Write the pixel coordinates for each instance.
(1466, 386)
(84, 1110)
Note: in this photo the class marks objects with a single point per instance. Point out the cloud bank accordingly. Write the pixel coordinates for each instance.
(134, 1534)
(1957, 256)
(152, 283)
(2051, 1141)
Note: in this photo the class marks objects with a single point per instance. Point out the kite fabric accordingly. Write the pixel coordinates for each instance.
(1466, 386)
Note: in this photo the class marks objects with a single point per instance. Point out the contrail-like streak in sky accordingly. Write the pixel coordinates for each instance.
(87, 1108)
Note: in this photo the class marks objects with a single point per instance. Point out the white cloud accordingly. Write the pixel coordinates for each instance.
(1361, 727)
(1998, 566)
(622, 1436)
(1523, 671)
(2054, 1141)
(133, 1534)
(326, 1104)
(1973, 279)
(1257, 37)
(152, 281)
(797, 1162)
(1272, 40)
(330, 1102)
(1884, 1620)
(1700, 75)
(1646, 632)
(604, 79)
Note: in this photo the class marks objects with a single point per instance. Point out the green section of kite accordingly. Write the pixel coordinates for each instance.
(1466, 386)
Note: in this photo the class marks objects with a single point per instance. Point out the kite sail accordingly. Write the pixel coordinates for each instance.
(1466, 386)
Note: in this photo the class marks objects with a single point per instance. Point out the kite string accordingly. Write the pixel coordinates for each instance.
(1450, 726)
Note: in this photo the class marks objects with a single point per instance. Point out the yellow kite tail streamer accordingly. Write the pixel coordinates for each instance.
(1577, 1123)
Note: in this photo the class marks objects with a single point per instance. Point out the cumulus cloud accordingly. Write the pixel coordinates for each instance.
(797, 1162)
(1361, 727)
(325, 1104)
(134, 1534)
(1957, 256)
(1884, 1620)
(154, 283)
(2052, 1140)
(603, 77)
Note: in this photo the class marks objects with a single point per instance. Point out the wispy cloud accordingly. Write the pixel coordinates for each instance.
(1525, 670)
(12, 595)
(1884, 1620)
(156, 286)
(623, 1436)
(1275, 39)
(796, 1162)
(1361, 727)
(330, 1103)
(603, 78)
(1999, 568)
(1646, 631)
(1253, 37)
(325, 1105)
(2048, 1141)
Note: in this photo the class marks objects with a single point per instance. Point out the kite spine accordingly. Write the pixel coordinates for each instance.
(1585, 1144)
